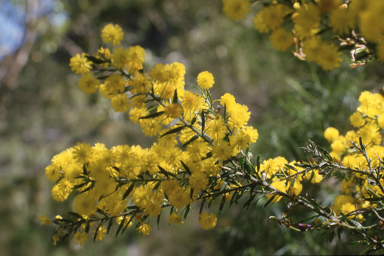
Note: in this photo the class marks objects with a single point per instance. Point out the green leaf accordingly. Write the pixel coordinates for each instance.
(222, 203)
(121, 225)
(331, 235)
(233, 198)
(174, 100)
(193, 121)
(126, 226)
(97, 230)
(153, 115)
(209, 98)
(201, 206)
(186, 168)
(249, 201)
(76, 215)
(187, 211)
(258, 163)
(163, 171)
(269, 201)
(95, 60)
(85, 170)
(87, 227)
(158, 221)
(129, 190)
(175, 130)
(109, 225)
(191, 195)
(326, 154)
(191, 140)
(202, 121)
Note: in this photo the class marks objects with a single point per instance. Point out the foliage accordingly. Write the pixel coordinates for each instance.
(202, 155)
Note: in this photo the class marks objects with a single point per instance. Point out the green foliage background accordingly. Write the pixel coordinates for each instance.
(290, 101)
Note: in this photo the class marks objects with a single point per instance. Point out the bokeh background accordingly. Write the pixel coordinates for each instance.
(42, 112)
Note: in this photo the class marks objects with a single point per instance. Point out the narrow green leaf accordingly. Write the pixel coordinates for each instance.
(191, 195)
(187, 211)
(95, 60)
(249, 201)
(158, 221)
(233, 198)
(269, 201)
(186, 168)
(193, 121)
(153, 115)
(87, 227)
(175, 130)
(76, 215)
(174, 100)
(191, 140)
(209, 98)
(222, 203)
(85, 170)
(258, 163)
(121, 225)
(109, 225)
(201, 206)
(127, 225)
(202, 121)
(331, 235)
(96, 231)
(163, 171)
(79, 185)
(129, 190)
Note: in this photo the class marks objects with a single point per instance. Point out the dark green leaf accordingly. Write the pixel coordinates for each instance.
(233, 198)
(158, 221)
(174, 100)
(109, 225)
(186, 168)
(331, 235)
(202, 121)
(163, 171)
(129, 190)
(249, 201)
(222, 204)
(153, 115)
(85, 170)
(175, 130)
(121, 225)
(127, 225)
(87, 227)
(193, 121)
(76, 215)
(95, 60)
(187, 211)
(258, 163)
(191, 140)
(201, 206)
(269, 201)
(97, 230)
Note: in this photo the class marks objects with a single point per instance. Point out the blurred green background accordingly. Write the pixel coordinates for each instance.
(42, 112)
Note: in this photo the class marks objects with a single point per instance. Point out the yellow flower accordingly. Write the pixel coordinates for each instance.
(175, 218)
(205, 80)
(281, 40)
(120, 103)
(270, 18)
(80, 64)
(144, 229)
(357, 120)
(207, 221)
(100, 233)
(331, 134)
(81, 238)
(55, 239)
(173, 110)
(341, 21)
(111, 33)
(236, 9)
(88, 84)
(44, 220)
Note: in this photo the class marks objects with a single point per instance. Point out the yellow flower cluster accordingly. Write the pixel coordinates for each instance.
(313, 25)
(369, 121)
(194, 141)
